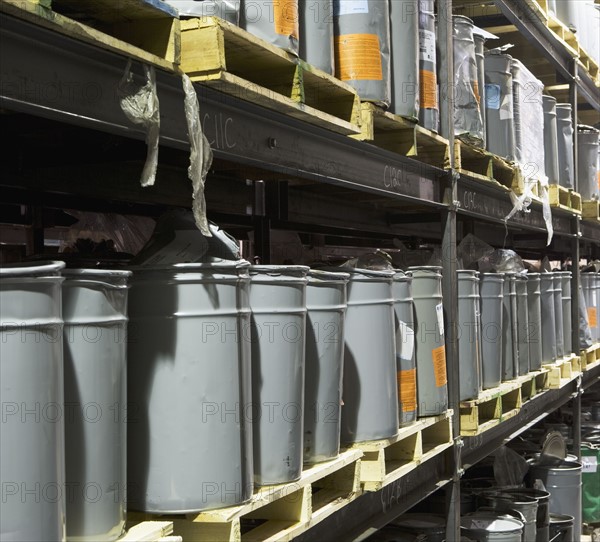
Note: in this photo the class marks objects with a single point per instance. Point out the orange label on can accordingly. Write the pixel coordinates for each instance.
(407, 389)
(357, 56)
(429, 91)
(599, 180)
(476, 92)
(286, 17)
(439, 366)
(593, 316)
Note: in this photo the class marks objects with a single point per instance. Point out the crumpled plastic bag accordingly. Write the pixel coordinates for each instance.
(510, 468)
(201, 155)
(141, 106)
(502, 261)
(375, 261)
(472, 249)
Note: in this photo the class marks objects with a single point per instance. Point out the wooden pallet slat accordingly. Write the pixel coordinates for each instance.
(385, 461)
(562, 371)
(225, 57)
(590, 357)
(278, 513)
(591, 211)
(402, 136)
(148, 531)
(565, 199)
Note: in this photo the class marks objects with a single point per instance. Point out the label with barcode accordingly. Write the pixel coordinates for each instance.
(427, 45)
(589, 464)
(350, 7)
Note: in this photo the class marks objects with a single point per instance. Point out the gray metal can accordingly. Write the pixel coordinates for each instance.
(551, 140)
(469, 334)
(534, 309)
(558, 314)
(316, 34)
(564, 129)
(274, 21)
(549, 350)
(492, 297)
(32, 461)
(565, 279)
(429, 108)
(523, 326)
(510, 348)
(587, 162)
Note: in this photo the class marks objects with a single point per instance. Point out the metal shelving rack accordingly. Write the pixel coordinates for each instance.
(311, 166)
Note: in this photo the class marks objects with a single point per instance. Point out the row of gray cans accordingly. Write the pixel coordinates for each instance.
(509, 325)
(385, 49)
(180, 389)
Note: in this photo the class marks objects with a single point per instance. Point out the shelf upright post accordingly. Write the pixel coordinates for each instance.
(574, 69)
(449, 261)
(262, 224)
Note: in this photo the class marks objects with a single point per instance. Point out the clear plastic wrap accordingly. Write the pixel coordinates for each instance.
(200, 155)
(141, 106)
(472, 249)
(502, 261)
(228, 10)
(510, 467)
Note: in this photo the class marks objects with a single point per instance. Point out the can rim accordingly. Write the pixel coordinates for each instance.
(24, 269)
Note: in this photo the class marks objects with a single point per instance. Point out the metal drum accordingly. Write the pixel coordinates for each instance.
(588, 285)
(32, 462)
(561, 528)
(404, 32)
(506, 501)
(467, 117)
(469, 334)
(429, 108)
(432, 379)
(492, 296)
(564, 484)
(587, 162)
(406, 358)
(95, 363)
(558, 314)
(278, 305)
(189, 434)
(273, 21)
(548, 318)
(534, 310)
(480, 59)
(523, 325)
(542, 519)
(362, 48)
(499, 108)
(489, 527)
(426, 527)
(564, 129)
(565, 279)
(370, 393)
(326, 304)
(510, 351)
(550, 139)
(316, 34)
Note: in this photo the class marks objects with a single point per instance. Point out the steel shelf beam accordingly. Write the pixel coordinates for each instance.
(543, 39)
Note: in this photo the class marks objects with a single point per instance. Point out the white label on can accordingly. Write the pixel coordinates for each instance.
(492, 96)
(427, 45)
(589, 464)
(350, 7)
(188, 246)
(407, 339)
(439, 309)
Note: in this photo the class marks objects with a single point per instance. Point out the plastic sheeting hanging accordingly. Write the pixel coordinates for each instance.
(141, 106)
(467, 116)
(429, 112)
(275, 21)
(404, 32)
(362, 47)
(316, 34)
(229, 10)
(200, 155)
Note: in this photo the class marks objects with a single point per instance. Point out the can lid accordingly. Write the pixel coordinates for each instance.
(207, 266)
(318, 275)
(276, 270)
(31, 269)
(554, 449)
(97, 273)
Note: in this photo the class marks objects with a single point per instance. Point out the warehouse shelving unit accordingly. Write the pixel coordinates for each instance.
(303, 178)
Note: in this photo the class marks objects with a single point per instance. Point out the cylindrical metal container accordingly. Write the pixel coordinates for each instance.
(429, 111)
(490, 527)
(534, 310)
(362, 48)
(542, 519)
(564, 129)
(273, 21)
(316, 34)
(427, 527)
(95, 364)
(404, 32)
(467, 118)
(565, 279)
(326, 304)
(189, 436)
(480, 59)
(406, 358)
(588, 281)
(432, 388)
(587, 162)
(567, 12)
(561, 528)
(32, 462)
(549, 351)
(550, 139)
(468, 334)
(492, 285)
(523, 326)
(506, 502)
(278, 305)
(564, 484)
(558, 314)
(499, 104)
(370, 393)
(510, 348)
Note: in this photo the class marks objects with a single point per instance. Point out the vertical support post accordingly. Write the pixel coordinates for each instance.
(35, 234)
(573, 102)
(449, 263)
(262, 224)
